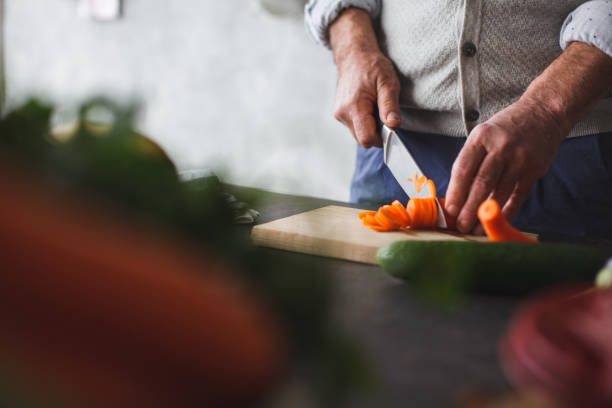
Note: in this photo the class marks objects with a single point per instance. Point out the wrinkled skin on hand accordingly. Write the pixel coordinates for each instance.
(504, 156)
(366, 79)
(502, 159)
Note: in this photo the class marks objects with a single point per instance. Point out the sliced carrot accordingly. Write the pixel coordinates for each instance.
(402, 213)
(419, 183)
(433, 208)
(399, 214)
(364, 213)
(391, 214)
(369, 219)
(416, 210)
(423, 212)
(413, 213)
(497, 226)
(432, 188)
(384, 220)
(418, 213)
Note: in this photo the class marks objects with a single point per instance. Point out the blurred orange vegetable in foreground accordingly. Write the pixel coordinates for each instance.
(98, 312)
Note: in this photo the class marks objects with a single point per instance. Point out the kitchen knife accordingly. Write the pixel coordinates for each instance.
(398, 159)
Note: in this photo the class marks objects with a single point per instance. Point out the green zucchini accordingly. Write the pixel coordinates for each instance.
(496, 268)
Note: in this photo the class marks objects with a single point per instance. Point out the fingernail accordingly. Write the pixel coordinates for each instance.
(461, 225)
(393, 117)
(452, 210)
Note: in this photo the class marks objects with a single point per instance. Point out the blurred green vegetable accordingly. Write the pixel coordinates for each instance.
(604, 276)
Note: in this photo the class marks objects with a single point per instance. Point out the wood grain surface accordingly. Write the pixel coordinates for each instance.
(337, 232)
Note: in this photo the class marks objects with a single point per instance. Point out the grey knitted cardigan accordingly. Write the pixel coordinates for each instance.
(461, 61)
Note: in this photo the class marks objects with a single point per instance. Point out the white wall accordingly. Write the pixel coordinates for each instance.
(224, 85)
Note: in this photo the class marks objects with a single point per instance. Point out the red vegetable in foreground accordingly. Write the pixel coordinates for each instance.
(98, 313)
(558, 347)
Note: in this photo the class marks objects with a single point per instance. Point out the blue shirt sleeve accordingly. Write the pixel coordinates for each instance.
(591, 23)
(320, 14)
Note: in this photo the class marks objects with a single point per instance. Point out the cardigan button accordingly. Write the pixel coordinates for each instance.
(472, 115)
(468, 49)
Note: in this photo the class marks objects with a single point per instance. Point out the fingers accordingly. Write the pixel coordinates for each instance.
(364, 128)
(388, 102)
(517, 198)
(501, 193)
(478, 230)
(505, 186)
(359, 118)
(365, 82)
(482, 186)
(464, 169)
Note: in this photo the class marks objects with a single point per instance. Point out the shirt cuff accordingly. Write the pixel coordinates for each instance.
(591, 23)
(320, 14)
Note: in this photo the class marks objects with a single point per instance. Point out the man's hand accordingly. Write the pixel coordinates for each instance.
(504, 156)
(366, 78)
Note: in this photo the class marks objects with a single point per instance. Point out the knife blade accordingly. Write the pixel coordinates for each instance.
(399, 160)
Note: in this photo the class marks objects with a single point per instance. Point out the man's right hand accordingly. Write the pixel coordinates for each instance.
(366, 78)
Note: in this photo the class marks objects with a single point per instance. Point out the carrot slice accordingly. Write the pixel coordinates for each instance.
(433, 209)
(419, 183)
(385, 221)
(363, 214)
(370, 221)
(497, 226)
(415, 209)
(432, 188)
(423, 212)
(402, 212)
(412, 213)
(391, 214)
(418, 213)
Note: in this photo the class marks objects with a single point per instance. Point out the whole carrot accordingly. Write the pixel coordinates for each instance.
(497, 226)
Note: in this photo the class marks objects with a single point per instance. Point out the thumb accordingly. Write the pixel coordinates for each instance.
(388, 103)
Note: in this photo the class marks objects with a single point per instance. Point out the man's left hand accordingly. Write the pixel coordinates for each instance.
(502, 158)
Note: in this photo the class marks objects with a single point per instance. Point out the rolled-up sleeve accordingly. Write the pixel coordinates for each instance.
(590, 23)
(320, 14)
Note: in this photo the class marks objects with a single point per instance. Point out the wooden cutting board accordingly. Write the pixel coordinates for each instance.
(337, 232)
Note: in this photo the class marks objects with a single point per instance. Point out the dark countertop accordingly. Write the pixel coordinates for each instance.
(423, 355)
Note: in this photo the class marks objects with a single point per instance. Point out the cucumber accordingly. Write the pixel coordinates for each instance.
(510, 268)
